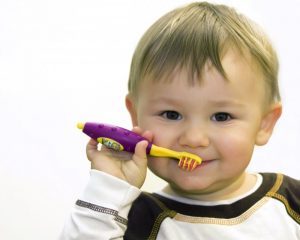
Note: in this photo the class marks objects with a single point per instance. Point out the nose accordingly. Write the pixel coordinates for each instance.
(194, 137)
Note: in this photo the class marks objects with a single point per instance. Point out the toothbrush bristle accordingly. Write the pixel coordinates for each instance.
(188, 164)
(194, 165)
(181, 163)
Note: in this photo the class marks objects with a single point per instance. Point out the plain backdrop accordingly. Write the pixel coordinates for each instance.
(65, 61)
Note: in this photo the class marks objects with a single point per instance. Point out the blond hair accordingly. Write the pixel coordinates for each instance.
(191, 35)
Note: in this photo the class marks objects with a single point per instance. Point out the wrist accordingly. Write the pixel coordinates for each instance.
(110, 192)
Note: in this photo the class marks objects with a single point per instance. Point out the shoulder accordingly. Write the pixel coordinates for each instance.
(145, 217)
(286, 190)
(284, 186)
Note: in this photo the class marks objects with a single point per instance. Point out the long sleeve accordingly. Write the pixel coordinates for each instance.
(101, 212)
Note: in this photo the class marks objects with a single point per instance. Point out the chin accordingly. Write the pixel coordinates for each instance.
(185, 191)
(190, 184)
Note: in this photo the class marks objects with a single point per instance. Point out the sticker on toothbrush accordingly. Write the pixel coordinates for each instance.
(112, 144)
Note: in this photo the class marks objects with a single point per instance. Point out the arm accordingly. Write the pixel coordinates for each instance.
(101, 213)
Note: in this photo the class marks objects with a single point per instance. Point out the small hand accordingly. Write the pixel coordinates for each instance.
(126, 166)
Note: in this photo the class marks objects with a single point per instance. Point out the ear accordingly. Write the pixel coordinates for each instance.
(268, 123)
(131, 109)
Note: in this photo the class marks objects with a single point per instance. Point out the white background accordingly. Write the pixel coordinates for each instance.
(64, 61)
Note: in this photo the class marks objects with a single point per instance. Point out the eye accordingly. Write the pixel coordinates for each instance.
(221, 117)
(171, 115)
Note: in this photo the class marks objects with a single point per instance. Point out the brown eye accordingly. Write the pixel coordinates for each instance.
(221, 117)
(171, 115)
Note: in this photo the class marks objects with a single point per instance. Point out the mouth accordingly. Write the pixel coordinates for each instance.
(206, 162)
(203, 164)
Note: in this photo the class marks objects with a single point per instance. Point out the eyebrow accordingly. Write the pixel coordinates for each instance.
(166, 100)
(215, 103)
(226, 103)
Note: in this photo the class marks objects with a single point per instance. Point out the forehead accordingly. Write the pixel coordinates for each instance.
(242, 77)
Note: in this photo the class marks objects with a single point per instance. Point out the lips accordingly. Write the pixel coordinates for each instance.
(205, 163)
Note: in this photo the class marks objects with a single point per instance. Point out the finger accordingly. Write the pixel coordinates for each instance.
(140, 155)
(91, 148)
(148, 135)
(92, 145)
(137, 130)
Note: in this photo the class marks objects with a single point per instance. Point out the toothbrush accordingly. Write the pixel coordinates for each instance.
(121, 139)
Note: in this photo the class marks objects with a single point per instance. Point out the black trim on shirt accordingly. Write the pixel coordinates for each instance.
(289, 194)
(145, 217)
(225, 210)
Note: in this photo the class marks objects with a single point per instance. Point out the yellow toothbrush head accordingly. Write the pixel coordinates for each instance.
(189, 161)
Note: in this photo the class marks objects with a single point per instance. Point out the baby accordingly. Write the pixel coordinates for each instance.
(203, 80)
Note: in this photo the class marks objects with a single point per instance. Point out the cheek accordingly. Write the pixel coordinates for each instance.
(162, 136)
(162, 139)
(236, 148)
(160, 166)
(154, 163)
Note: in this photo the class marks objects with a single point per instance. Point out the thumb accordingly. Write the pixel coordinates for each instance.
(91, 148)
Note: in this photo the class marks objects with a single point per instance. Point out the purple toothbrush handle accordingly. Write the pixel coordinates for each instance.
(126, 138)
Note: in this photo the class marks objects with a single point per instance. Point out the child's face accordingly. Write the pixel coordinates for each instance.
(218, 120)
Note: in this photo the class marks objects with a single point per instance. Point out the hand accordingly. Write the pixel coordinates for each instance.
(126, 166)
